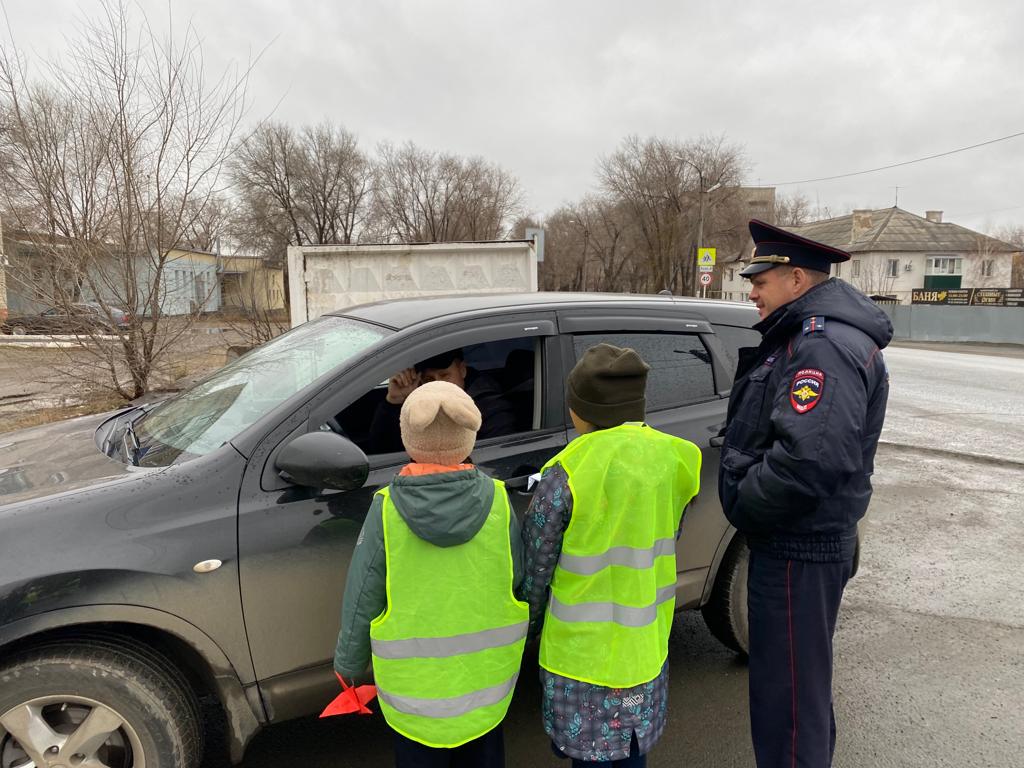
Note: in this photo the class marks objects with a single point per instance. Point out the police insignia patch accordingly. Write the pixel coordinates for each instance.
(806, 390)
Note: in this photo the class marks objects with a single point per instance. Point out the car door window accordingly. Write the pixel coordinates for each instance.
(681, 371)
(733, 339)
(503, 376)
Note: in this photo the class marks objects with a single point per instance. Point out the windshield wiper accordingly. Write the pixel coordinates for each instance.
(131, 452)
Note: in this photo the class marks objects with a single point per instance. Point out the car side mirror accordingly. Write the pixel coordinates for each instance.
(323, 460)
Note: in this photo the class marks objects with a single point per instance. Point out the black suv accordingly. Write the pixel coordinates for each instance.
(197, 548)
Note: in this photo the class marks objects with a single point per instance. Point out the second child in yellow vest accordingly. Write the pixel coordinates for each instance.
(430, 593)
(600, 566)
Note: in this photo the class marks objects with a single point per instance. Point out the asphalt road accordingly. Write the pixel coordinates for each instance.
(930, 644)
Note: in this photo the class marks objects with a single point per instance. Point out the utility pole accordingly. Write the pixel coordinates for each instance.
(702, 194)
(586, 238)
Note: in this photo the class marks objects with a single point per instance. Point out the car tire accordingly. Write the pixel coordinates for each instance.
(725, 613)
(18, 330)
(124, 707)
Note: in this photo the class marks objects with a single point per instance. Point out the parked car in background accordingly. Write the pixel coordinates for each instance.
(198, 547)
(80, 318)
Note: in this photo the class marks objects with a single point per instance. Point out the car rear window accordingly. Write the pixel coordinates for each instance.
(681, 371)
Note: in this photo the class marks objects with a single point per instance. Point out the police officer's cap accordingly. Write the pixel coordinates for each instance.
(775, 247)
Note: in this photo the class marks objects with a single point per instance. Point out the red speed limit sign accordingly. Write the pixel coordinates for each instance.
(705, 278)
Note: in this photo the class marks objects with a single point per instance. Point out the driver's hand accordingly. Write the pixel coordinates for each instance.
(401, 385)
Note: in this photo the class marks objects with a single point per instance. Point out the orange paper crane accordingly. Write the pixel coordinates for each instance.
(353, 698)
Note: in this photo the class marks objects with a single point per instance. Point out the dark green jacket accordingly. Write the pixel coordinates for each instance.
(446, 509)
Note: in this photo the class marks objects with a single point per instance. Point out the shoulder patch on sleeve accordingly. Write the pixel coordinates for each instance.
(814, 324)
(806, 390)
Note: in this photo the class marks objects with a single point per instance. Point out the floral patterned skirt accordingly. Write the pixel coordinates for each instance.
(593, 723)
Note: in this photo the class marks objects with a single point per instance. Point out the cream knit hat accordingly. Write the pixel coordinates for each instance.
(439, 424)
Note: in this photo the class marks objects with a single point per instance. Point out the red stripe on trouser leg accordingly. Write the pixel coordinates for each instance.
(792, 650)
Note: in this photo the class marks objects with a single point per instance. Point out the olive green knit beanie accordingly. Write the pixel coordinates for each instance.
(606, 388)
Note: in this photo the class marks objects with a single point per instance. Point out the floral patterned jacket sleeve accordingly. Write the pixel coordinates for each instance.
(543, 527)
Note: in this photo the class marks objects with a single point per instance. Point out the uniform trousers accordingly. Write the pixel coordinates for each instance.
(487, 751)
(792, 607)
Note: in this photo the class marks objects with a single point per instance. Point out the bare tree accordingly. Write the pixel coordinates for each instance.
(674, 194)
(208, 221)
(874, 278)
(113, 154)
(423, 196)
(792, 210)
(1014, 235)
(303, 187)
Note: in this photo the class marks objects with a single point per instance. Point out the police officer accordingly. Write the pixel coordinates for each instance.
(804, 418)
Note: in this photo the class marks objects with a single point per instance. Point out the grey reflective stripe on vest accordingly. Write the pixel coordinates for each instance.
(626, 615)
(454, 645)
(631, 557)
(453, 707)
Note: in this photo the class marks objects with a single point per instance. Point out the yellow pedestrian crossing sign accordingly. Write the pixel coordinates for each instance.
(706, 257)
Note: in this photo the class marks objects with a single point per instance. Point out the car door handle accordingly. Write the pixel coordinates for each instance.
(521, 483)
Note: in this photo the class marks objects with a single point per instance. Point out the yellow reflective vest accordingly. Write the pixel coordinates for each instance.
(446, 651)
(613, 591)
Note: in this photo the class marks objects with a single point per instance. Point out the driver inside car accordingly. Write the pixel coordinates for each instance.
(497, 412)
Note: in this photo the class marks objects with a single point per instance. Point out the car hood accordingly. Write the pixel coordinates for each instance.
(55, 458)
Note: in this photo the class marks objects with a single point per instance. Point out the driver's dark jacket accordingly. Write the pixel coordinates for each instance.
(796, 483)
(496, 413)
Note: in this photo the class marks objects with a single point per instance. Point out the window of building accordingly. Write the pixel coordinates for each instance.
(987, 266)
(944, 265)
(680, 365)
(839, 269)
(892, 268)
(855, 267)
(732, 273)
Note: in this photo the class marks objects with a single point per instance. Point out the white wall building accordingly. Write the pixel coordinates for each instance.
(894, 252)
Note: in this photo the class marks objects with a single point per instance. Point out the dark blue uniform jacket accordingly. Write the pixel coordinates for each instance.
(804, 418)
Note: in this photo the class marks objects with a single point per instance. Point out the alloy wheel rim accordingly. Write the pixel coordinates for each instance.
(67, 732)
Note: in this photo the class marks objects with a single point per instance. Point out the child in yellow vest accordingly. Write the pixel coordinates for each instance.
(430, 593)
(600, 539)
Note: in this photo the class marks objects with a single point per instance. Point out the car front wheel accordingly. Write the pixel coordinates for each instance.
(97, 705)
(726, 611)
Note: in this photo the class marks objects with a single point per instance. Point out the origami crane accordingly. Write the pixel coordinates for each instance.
(353, 698)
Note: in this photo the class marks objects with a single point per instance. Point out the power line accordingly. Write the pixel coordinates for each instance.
(899, 165)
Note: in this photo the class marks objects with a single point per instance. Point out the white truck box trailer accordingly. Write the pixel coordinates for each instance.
(324, 278)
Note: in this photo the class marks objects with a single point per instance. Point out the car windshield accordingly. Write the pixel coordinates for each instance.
(214, 411)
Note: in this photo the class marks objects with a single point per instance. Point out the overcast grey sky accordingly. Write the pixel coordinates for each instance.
(810, 89)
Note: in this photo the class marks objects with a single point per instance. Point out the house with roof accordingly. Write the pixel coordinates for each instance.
(892, 252)
(248, 283)
(43, 270)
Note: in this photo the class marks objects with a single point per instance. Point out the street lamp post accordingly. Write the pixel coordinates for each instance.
(704, 195)
(701, 208)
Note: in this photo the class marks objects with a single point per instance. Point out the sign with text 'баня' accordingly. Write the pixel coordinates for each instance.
(970, 297)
